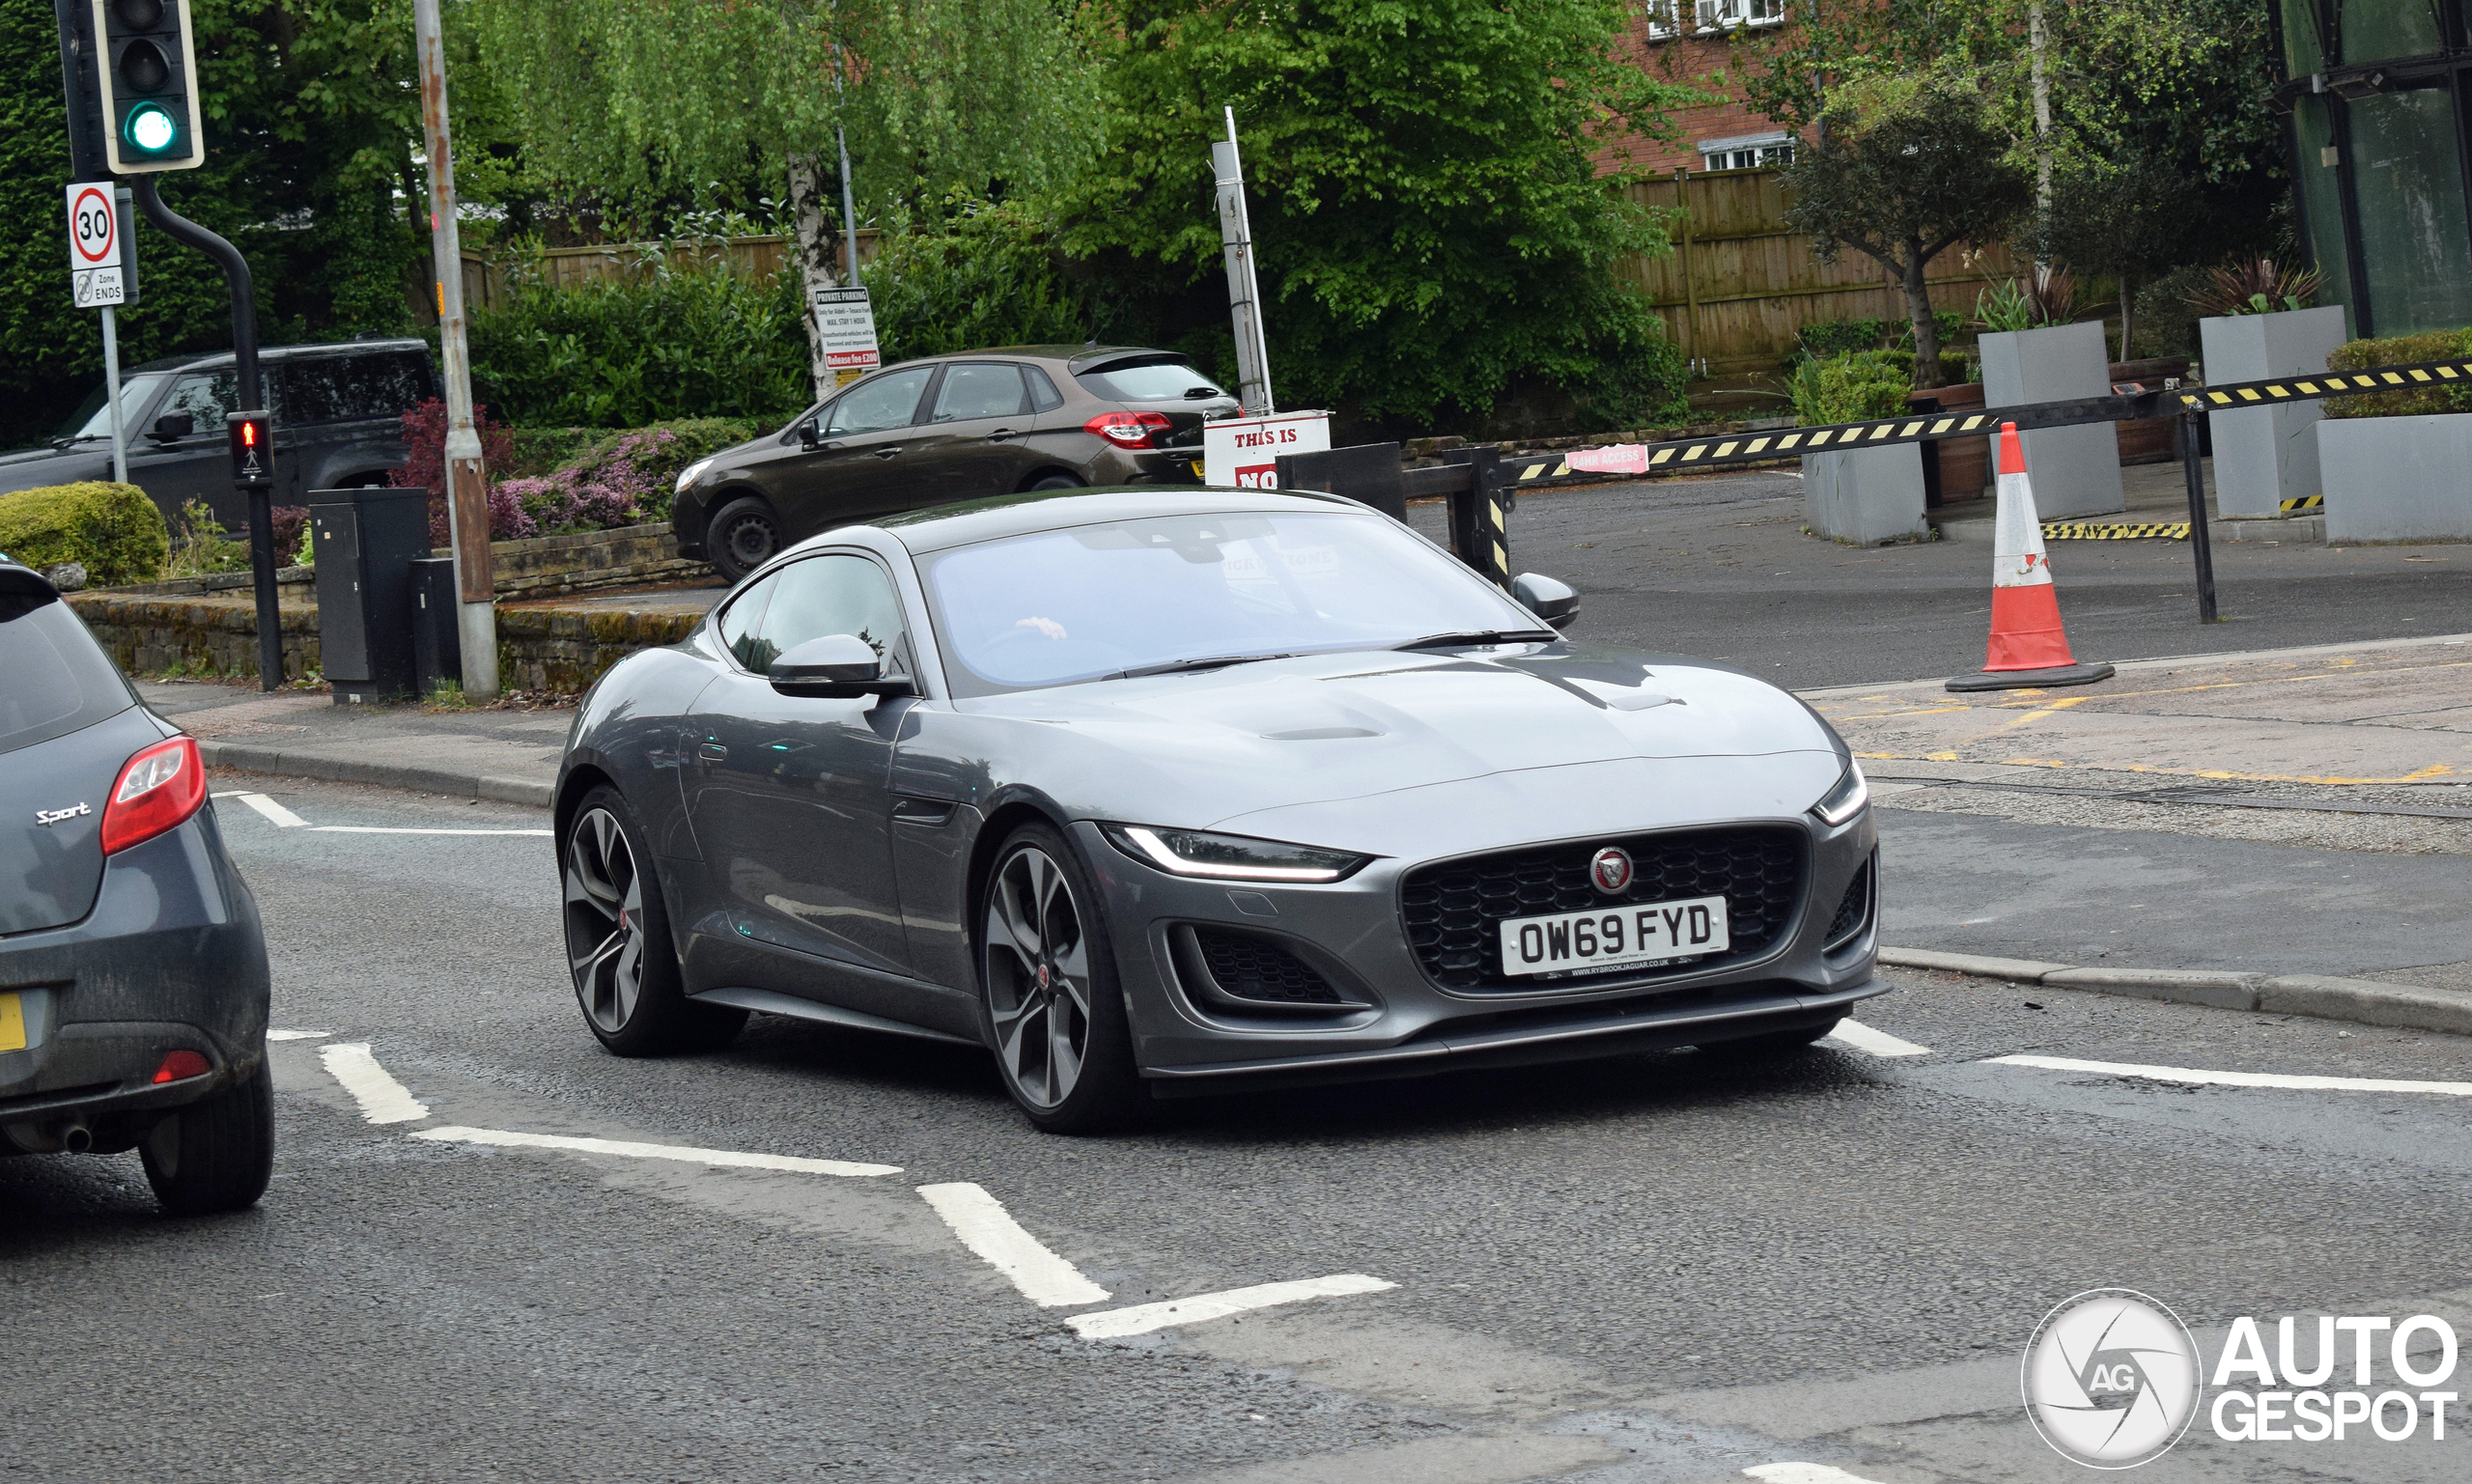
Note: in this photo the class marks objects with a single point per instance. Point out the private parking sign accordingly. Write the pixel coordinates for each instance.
(94, 246)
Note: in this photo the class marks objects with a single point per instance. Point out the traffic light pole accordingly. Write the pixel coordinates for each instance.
(251, 392)
(467, 498)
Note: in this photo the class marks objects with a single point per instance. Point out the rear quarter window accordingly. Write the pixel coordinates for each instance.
(1148, 382)
(54, 678)
(351, 388)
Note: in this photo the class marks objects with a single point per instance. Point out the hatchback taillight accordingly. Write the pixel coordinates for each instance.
(157, 790)
(1129, 430)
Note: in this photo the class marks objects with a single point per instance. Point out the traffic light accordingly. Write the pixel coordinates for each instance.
(148, 85)
(87, 160)
(252, 436)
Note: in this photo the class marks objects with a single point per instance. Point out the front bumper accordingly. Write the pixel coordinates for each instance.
(1400, 1021)
(171, 958)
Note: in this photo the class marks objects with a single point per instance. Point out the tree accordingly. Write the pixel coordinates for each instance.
(1903, 171)
(705, 98)
(1429, 222)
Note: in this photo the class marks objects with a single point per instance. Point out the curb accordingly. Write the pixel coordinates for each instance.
(393, 775)
(2363, 1001)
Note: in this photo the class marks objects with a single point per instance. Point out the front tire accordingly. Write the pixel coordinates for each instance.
(1055, 482)
(215, 1154)
(741, 535)
(619, 951)
(1055, 1011)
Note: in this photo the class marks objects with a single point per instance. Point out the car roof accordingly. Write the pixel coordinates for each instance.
(970, 521)
(217, 359)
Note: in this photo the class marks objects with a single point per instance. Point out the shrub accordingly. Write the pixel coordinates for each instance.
(663, 342)
(291, 527)
(425, 458)
(2166, 322)
(114, 530)
(2402, 351)
(978, 276)
(1839, 337)
(2253, 285)
(1852, 388)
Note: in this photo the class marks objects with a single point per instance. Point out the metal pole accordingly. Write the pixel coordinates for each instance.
(1244, 289)
(848, 207)
(468, 499)
(2200, 542)
(111, 390)
(252, 397)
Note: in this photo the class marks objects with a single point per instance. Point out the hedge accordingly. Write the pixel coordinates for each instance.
(2402, 351)
(113, 530)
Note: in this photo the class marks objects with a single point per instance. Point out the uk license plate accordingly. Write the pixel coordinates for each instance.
(12, 1024)
(1614, 938)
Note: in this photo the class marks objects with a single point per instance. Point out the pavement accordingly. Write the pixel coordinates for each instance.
(493, 1251)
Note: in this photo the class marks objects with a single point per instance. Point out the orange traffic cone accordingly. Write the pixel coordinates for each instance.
(2028, 645)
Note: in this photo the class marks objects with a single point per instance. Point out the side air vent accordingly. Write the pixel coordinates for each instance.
(1854, 913)
(1254, 972)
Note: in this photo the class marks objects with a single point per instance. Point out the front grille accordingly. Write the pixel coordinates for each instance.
(1852, 912)
(1453, 909)
(1249, 967)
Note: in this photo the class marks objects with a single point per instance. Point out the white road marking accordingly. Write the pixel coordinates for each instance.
(1804, 1473)
(2236, 1079)
(296, 1035)
(382, 1098)
(270, 809)
(988, 1230)
(389, 829)
(1142, 1318)
(1880, 1043)
(728, 1159)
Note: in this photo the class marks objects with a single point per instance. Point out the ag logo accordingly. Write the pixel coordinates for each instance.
(1609, 870)
(2111, 1379)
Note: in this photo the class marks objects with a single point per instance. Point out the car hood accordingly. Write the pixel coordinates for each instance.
(32, 455)
(1202, 749)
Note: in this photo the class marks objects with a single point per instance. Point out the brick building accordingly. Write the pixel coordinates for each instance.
(1684, 41)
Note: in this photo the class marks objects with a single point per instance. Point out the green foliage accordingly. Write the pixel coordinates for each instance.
(1832, 337)
(201, 545)
(2167, 325)
(1430, 228)
(979, 274)
(113, 529)
(1851, 387)
(2005, 307)
(2402, 351)
(698, 341)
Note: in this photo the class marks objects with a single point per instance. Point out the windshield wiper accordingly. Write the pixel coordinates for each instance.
(1208, 662)
(1471, 638)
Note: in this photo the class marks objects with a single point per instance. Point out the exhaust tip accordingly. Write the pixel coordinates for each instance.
(77, 1138)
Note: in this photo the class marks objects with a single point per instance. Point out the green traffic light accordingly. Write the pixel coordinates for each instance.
(150, 129)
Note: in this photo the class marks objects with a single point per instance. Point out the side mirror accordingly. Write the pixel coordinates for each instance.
(1556, 603)
(837, 666)
(173, 425)
(809, 434)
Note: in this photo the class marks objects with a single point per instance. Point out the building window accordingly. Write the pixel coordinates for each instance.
(1710, 16)
(1746, 154)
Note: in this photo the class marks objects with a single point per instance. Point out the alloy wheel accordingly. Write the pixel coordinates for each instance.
(1038, 978)
(605, 920)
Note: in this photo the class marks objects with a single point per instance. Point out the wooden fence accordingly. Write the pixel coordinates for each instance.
(485, 279)
(1740, 283)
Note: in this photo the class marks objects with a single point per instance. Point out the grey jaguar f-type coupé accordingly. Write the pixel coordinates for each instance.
(1163, 793)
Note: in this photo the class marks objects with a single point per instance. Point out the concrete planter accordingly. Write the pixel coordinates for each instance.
(2393, 478)
(2076, 470)
(2265, 456)
(1868, 497)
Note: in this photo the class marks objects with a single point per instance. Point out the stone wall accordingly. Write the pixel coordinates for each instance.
(547, 565)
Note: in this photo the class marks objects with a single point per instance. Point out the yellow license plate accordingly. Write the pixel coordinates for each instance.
(12, 1024)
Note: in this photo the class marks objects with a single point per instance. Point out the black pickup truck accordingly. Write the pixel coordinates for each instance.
(338, 422)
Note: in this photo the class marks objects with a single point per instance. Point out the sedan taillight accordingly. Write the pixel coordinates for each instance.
(1129, 430)
(157, 790)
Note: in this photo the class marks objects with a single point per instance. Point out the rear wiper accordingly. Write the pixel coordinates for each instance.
(1209, 662)
(1478, 637)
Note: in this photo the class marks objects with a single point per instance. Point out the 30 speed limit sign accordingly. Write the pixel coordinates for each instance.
(95, 246)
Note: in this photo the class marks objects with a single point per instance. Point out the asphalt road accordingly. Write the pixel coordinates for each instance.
(1718, 567)
(1654, 1271)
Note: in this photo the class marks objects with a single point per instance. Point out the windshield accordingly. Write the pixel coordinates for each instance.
(1096, 601)
(1153, 381)
(91, 420)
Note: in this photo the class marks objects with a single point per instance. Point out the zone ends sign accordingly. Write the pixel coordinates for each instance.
(147, 82)
(95, 248)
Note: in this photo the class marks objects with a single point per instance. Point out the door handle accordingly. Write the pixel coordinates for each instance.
(886, 453)
(712, 752)
(1000, 435)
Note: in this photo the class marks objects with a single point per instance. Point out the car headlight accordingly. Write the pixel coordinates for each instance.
(690, 474)
(1229, 858)
(1847, 799)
